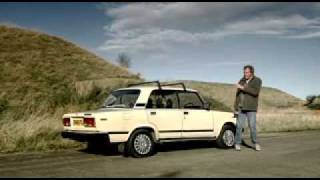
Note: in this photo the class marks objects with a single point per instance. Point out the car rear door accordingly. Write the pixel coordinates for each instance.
(164, 113)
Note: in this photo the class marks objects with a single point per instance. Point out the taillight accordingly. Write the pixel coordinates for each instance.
(66, 121)
(89, 122)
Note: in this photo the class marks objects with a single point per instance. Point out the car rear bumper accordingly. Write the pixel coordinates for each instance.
(85, 136)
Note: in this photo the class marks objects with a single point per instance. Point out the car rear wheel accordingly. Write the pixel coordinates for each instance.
(140, 144)
(226, 138)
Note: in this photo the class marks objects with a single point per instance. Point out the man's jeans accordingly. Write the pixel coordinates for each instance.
(242, 117)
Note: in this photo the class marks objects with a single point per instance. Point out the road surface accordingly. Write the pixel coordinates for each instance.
(295, 154)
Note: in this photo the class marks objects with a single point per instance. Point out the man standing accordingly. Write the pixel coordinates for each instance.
(246, 105)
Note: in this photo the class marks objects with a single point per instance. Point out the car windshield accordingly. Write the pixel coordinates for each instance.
(122, 99)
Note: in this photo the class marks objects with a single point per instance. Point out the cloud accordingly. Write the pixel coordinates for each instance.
(272, 25)
(159, 27)
(306, 36)
(229, 63)
(177, 15)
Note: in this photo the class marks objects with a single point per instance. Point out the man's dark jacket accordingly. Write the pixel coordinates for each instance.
(250, 95)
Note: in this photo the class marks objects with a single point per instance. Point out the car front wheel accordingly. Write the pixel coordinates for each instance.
(226, 138)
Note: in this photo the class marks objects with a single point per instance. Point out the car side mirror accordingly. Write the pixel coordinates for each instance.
(207, 105)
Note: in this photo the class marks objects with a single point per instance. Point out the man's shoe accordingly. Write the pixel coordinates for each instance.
(257, 147)
(237, 147)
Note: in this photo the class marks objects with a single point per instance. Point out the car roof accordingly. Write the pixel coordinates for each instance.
(150, 88)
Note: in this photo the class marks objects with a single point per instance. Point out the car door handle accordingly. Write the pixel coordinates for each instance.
(153, 113)
(186, 113)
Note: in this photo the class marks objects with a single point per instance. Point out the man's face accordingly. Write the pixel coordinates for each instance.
(247, 73)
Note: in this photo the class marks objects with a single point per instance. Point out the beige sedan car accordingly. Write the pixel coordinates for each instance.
(138, 117)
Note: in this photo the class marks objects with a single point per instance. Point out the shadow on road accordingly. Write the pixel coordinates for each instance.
(112, 150)
(171, 174)
(106, 150)
(178, 146)
(248, 145)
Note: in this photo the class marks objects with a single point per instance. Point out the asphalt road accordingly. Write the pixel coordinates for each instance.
(295, 154)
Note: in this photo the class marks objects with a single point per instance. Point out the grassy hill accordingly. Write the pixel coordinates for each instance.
(39, 68)
(270, 98)
(40, 76)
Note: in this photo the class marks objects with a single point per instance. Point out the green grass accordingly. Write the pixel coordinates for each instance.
(39, 74)
(39, 71)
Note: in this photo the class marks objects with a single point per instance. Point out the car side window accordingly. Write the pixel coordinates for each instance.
(163, 99)
(190, 100)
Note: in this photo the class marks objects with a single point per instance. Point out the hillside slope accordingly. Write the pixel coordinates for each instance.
(38, 69)
(39, 74)
(270, 98)
(32, 56)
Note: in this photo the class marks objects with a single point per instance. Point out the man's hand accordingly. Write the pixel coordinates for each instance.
(240, 86)
(235, 114)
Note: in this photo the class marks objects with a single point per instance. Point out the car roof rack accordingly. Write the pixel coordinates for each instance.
(173, 84)
(158, 84)
(149, 82)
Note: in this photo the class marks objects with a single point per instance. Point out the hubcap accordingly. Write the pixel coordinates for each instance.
(228, 138)
(142, 144)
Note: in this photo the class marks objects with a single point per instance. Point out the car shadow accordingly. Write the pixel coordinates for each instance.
(112, 150)
(190, 145)
(107, 150)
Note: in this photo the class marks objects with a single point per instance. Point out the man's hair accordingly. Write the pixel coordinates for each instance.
(251, 68)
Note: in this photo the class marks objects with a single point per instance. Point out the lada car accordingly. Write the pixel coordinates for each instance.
(138, 117)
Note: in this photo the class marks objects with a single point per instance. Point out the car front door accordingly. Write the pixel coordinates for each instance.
(164, 113)
(197, 121)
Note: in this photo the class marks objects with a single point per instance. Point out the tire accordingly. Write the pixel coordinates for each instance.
(226, 137)
(141, 144)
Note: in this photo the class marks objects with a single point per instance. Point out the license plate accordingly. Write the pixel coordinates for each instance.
(78, 122)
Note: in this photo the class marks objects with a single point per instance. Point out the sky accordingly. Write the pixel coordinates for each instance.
(205, 41)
